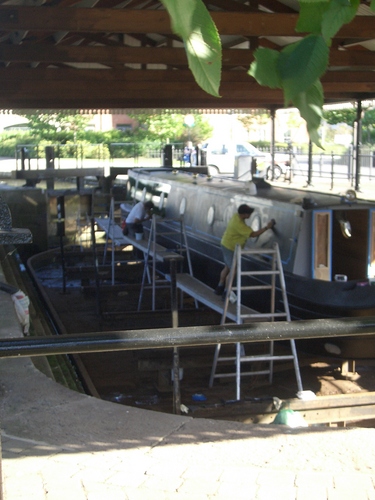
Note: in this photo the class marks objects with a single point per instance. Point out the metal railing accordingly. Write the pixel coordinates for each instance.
(186, 336)
(289, 163)
(176, 337)
(36, 156)
(331, 167)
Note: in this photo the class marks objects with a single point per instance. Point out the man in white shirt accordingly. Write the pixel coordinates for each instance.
(140, 212)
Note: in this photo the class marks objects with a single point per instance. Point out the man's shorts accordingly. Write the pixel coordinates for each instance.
(228, 256)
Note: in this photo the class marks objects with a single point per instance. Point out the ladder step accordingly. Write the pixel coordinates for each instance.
(257, 357)
(263, 315)
(275, 268)
(257, 372)
(255, 287)
(260, 273)
(270, 251)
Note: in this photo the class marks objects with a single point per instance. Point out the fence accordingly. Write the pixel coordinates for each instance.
(288, 163)
(36, 157)
(331, 167)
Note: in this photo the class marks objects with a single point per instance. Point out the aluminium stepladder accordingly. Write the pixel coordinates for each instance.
(275, 271)
(154, 251)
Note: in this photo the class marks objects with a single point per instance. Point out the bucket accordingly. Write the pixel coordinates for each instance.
(139, 236)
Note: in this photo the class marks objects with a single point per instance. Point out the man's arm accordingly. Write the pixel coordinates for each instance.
(262, 230)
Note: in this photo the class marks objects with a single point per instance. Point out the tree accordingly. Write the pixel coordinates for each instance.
(172, 127)
(368, 130)
(54, 126)
(336, 116)
(296, 68)
(254, 119)
(348, 116)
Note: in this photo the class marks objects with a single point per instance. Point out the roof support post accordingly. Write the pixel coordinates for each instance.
(273, 116)
(310, 165)
(357, 145)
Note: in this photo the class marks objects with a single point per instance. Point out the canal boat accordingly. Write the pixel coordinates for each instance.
(326, 241)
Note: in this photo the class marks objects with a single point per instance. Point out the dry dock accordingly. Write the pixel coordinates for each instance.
(59, 444)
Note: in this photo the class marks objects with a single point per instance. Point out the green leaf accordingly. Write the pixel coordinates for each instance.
(203, 49)
(181, 14)
(310, 106)
(201, 39)
(311, 16)
(301, 64)
(372, 5)
(205, 52)
(264, 68)
(339, 12)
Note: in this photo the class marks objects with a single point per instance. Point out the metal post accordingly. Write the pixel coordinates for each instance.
(332, 167)
(24, 157)
(310, 164)
(168, 155)
(290, 162)
(273, 115)
(176, 356)
(61, 234)
(96, 266)
(112, 222)
(358, 129)
(50, 164)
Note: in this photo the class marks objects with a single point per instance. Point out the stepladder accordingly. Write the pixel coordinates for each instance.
(244, 281)
(169, 229)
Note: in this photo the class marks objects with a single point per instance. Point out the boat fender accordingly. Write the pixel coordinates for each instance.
(21, 305)
(252, 188)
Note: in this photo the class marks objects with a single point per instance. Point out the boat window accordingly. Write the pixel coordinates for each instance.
(161, 201)
(254, 223)
(183, 206)
(211, 216)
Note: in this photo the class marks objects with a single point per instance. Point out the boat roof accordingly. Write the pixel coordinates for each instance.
(306, 199)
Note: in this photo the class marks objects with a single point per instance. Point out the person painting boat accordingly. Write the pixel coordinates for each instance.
(140, 212)
(237, 233)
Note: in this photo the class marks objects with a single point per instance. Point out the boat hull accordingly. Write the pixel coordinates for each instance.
(207, 206)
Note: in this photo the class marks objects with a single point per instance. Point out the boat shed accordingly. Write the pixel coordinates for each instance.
(112, 54)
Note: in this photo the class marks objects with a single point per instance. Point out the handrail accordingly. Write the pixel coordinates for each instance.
(186, 336)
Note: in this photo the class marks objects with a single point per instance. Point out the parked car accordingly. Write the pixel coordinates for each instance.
(235, 158)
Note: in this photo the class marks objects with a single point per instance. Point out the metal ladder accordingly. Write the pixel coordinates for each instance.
(275, 271)
(111, 226)
(151, 249)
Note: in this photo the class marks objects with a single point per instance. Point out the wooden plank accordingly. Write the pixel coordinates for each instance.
(331, 409)
(138, 21)
(14, 18)
(322, 410)
(16, 75)
(114, 232)
(169, 56)
(204, 294)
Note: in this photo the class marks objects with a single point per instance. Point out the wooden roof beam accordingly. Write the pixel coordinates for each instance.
(158, 21)
(47, 80)
(114, 54)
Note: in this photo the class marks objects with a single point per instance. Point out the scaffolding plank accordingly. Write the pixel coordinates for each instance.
(114, 232)
(204, 294)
